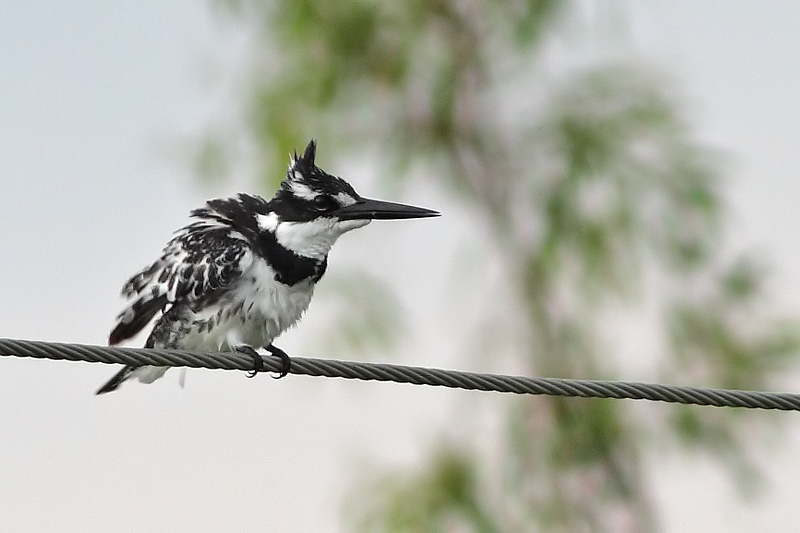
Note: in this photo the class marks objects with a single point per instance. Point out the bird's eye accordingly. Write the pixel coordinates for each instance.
(324, 202)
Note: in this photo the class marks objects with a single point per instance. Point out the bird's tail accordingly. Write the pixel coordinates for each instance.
(114, 383)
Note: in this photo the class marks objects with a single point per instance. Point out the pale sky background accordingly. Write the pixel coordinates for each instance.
(96, 100)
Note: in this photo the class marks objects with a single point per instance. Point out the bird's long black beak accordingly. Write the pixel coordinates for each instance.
(366, 209)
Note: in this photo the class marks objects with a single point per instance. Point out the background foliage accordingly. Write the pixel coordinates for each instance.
(601, 208)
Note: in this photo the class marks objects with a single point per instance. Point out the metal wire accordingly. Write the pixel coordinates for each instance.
(407, 374)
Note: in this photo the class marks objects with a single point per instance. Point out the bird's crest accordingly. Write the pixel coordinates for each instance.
(308, 155)
(303, 168)
(305, 180)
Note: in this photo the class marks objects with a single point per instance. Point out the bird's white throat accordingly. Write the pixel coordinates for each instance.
(312, 239)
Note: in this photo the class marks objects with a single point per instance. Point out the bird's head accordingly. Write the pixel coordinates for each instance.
(313, 208)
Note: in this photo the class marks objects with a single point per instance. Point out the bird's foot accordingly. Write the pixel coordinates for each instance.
(286, 362)
(258, 361)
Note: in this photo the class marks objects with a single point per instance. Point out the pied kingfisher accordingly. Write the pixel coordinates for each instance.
(243, 271)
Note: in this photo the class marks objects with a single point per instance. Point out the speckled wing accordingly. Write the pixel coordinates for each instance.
(202, 259)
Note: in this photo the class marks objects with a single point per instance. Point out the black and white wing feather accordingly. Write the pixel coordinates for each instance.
(201, 259)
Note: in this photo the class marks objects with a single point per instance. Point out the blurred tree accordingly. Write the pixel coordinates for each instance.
(596, 196)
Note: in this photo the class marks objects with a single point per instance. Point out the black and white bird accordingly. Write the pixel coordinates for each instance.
(243, 271)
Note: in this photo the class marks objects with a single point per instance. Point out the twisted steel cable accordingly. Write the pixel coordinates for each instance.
(407, 374)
